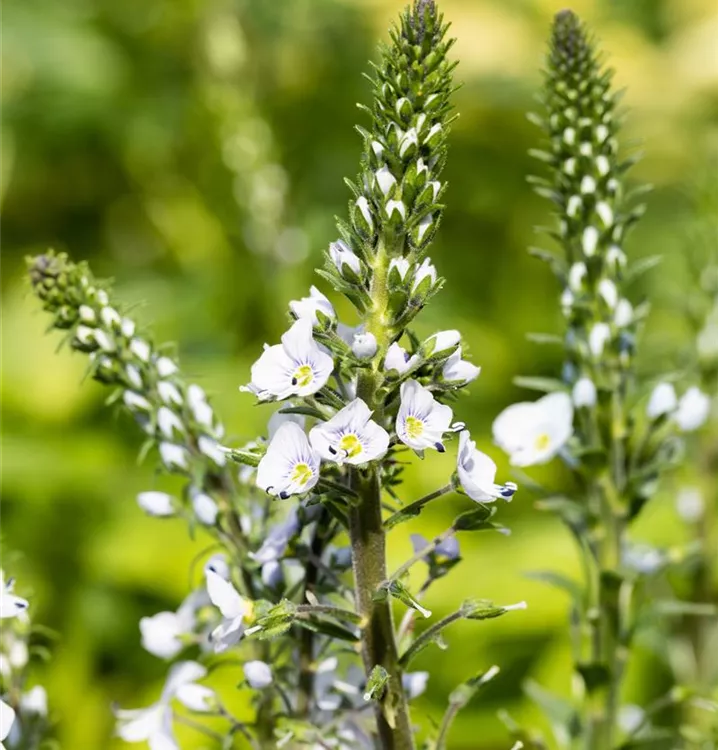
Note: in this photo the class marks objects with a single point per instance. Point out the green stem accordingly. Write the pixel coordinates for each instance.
(417, 505)
(368, 540)
(326, 609)
(428, 635)
(422, 553)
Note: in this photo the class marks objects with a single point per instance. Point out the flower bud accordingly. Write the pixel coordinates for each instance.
(424, 279)
(584, 393)
(384, 179)
(363, 221)
(663, 400)
(441, 344)
(364, 345)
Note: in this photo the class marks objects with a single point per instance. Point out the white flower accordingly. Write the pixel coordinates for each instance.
(477, 473)
(297, 366)
(10, 605)
(212, 449)
(162, 633)
(166, 367)
(169, 392)
(197, 402)
(425, 271)
(233, 608)
(690, 504)
(421, 421)
(258, 674)
(402, 266)
(409, 138)
(308, 307)
(141, 349)
(364, 345)
(693, 410)
(168, 422)
(34, 701)
(441, 342)
(127, 327)
(623, 316)
(173, 456)
(588, 184)
(394, 205)
(663, 400)
(397, 358)
(414, 683)
(350, 436)
(363, 205)
(457, 370)
(154, 723)
(584, 393)
(576, 275)
(290, 466)
(7, 719)
(110, 316)
(605, 213)
(589, 241)
(423, 225)
(615, 257)
(276, 541)
(573, 206)
(134, 376)
(135, 401)
(204, 508)
(534, 432)
(104, 341)
(156, 503)
(87, 314)
(598, 337)
(607, 289)
(384, 179)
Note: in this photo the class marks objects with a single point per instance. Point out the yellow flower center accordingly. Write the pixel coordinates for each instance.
(542, 442)
(350, 445)
(301, 473)
(303, 376)
(414, 427)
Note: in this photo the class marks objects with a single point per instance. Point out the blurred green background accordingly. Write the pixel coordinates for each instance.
(195, 150)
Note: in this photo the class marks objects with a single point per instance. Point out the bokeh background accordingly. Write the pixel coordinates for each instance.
(194, 150)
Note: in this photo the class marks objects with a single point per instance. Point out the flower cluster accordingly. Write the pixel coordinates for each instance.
(23, 711)
(351, 400)
(615, 435)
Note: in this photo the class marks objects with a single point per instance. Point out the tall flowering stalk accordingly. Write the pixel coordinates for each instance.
(278, 594)
(595, 418)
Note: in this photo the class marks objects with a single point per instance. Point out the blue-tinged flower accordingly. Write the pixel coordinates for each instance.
(534, 432)
(10, 605)
(233, 607)
(397, 358)
(364, 345)
(297, 366)
(162, 633)
(309, 307)
(422, 421)
(477, 473)
(350, 436)
(458, 370)
(290, 466)
(156, 503)
(7, 719)
(258, 674)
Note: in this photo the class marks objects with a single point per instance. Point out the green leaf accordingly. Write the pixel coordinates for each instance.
(678, 607)
(559, 581)
(327, 627)
(544, 385)
(562, 715)
(639, 267)
(400, 592)
(376, 684)
(595, 675)
(244, 457)
(474, 520)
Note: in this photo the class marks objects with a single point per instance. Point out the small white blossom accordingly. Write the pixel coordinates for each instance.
(364, 345)
(141, 349)
(423, 225)
(104, 341)
(425, 271)
(166, 367)
(154, 723)
(442, 341)
(402, 266)
(297, 366)
(342, 255)
(211, 448)
(603, 166)
(588, 184)
(308, 307)
(589, 241)
(663, 400)
(233, 607)
(598, 337)
(534, 432)
(422, 421)
(458, 370)
(384, 179)
(608, 290)
(204, 508)
(573, 206)
(34, 701)
(584, 393)
(169, 422)
(477, 473)
(7, 719)
(258, 674)
(377, 148)
(394, 205)
(110, 317)
(278, 419)
(693, 410)
(690, 504)
(576, 276)
(156, 503)
(134, 401)
(433, 131)
(605, 213)
(162, 633)
(10, 605)
(586, 149)
(200, 408)
(134, 376)
(414, 683)
(569, 136)
(128, 328)
(409, 138)
(363, 206)
(173, 455)
(290, 466)
(87, 314)
(350, 436)
(397, 358)
(169, 392)
(601, 133)
(623, 316)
